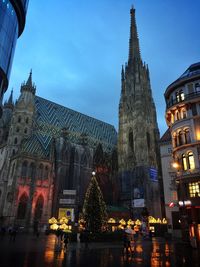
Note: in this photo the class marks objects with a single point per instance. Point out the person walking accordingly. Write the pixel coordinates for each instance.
(66, 241)
(128, 239)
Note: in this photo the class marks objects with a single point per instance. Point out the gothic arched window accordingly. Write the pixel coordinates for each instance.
(130, 140)
(22, 206)
(76, 156)
(46, 172)
(27, 120)
(84, 159)
(148, 140)
(39, 207)
(19, 119)
(40, 171)
(15, 141)
(32, 170)
(24, 169)
(13, 168)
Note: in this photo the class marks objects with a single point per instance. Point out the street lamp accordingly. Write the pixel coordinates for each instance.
(182, 202)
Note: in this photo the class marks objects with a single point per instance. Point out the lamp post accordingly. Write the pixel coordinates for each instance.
(182, 202)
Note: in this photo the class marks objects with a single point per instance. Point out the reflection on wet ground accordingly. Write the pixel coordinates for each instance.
(28, 251)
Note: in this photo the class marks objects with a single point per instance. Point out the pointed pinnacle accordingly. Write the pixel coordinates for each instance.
(29, 81)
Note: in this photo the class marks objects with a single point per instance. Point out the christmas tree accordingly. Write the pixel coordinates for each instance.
(94, 207)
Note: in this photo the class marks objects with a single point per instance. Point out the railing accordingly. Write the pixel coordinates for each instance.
(187, 97)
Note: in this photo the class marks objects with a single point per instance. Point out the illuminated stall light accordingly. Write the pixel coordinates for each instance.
(63, 220)
(130, 222)
(122, 222)
(138, 222)
(54, 226)
(63, 226)
(111, 220)
(154, 220)
(52, 220)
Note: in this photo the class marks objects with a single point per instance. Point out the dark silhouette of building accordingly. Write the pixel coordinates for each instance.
(12, 23)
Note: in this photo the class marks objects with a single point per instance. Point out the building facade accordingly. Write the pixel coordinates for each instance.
(169, 185)
(138, 150)
(12, 23)
(47, 157)
(183, 119)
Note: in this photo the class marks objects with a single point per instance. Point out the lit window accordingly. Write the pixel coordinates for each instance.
(172, 118)
(177, 117)
(194, 189)
(191, 161)
(184, 162)
(180, 96)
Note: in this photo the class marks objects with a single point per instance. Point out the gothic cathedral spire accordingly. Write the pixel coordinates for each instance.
(138, 132)
(134, 48)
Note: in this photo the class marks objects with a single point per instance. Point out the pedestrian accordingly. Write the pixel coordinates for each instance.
(128, 239)
(66, 241)
(86, 238)
(3, 232)
(13, 233)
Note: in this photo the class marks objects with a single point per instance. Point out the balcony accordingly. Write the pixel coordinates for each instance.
(187, 97)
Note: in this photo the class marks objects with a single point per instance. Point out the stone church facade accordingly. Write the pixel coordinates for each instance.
(47, 154)
(138, 152)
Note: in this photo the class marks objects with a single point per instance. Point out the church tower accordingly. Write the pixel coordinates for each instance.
(138, 152)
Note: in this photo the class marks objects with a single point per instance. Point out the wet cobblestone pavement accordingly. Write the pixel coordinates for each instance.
(29, 251)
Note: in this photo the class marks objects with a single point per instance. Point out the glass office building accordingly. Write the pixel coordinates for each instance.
(12, 22)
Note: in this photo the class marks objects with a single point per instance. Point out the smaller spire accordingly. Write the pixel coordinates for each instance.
(29, 81)
(122, 73)
(134, 49)
(28, 86)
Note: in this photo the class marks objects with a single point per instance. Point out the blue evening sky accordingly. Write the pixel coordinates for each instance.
(76, 48)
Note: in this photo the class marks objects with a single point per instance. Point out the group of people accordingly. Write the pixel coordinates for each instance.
(62, 238)
(11, 230)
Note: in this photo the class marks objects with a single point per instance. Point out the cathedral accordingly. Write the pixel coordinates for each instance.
(47, 155)
(48, 152)
(138, 136)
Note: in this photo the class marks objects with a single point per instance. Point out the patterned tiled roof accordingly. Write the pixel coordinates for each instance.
(51, 118)
(34, 146)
